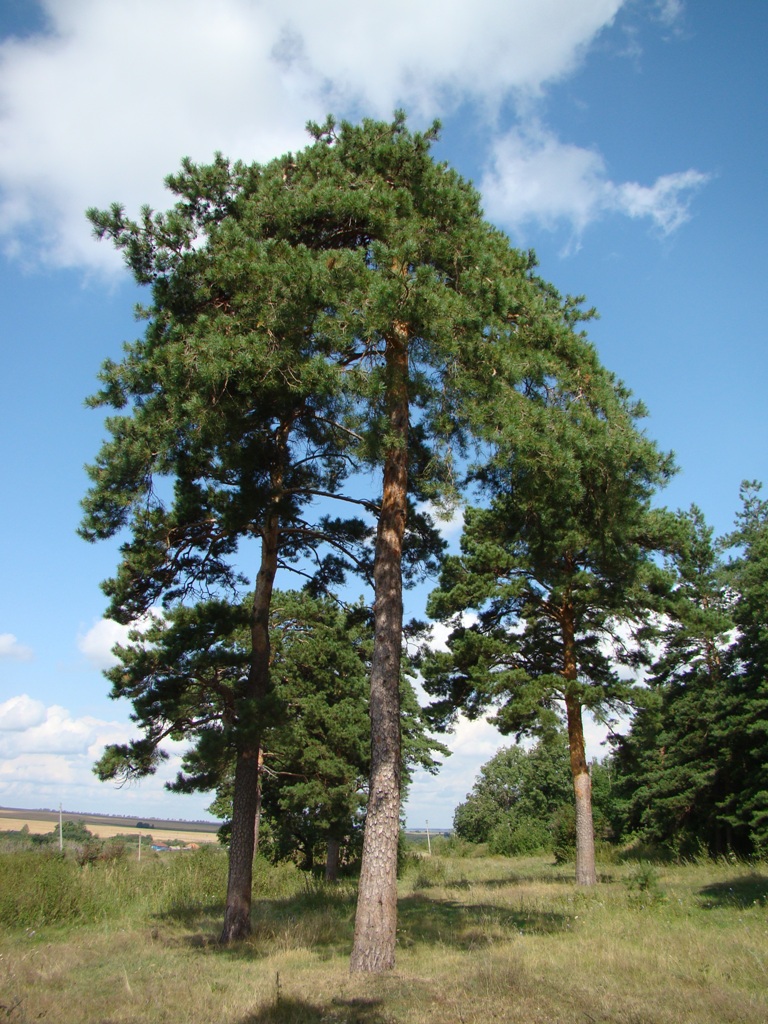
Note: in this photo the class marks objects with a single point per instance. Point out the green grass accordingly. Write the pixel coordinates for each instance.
(479, 940)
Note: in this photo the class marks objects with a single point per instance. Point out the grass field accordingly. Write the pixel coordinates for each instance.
(480, 940)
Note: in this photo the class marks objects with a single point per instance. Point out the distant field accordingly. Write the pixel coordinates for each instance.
(104, 826)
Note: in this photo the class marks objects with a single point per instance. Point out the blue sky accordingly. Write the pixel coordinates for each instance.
(625, 142)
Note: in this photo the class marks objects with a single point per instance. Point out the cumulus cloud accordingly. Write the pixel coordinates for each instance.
(104, 103)
(12, 649)
(28, 727)
(98, 642)
(21, 713)
(46, 757)
(533, 176)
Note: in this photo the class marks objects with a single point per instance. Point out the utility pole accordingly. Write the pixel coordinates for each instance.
(61, 833)
(429, 845)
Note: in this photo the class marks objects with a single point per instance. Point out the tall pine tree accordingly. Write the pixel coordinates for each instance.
(745, 723)
(344, 306)
(225, 429)
(558, 567)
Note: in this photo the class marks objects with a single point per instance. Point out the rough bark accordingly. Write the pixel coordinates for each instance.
(257, 819)
(247, 788)
(376, 918)
(237, 914)
(586, 873)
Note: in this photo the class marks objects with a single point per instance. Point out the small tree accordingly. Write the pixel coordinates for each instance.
(72, 831)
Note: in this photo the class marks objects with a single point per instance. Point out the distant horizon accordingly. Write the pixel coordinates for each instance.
(104, 814)
(432, 829)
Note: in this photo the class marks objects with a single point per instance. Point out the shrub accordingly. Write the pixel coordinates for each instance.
(513, 838)
(643, 885)
(455, 846)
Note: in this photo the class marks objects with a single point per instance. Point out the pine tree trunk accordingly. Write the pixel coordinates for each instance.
(376, 919)
(332, 860)
(247, 789)
(257, 819)
(586, 873)
(237, 914)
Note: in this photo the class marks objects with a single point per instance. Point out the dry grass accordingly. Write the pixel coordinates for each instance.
(479, 941)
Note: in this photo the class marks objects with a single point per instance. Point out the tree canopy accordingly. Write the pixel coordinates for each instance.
(691, 773)
(340, 308)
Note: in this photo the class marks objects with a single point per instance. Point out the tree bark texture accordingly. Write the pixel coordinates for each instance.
(247, 788)
(237, 914)
(257, 818)
(376, 918)
(586, 873)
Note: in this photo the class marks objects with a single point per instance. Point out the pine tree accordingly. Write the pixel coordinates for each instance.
(744, 722)
(558, 566)
(225, 428)
(669, 766)
(346, 306)
(692, 769)
(437, 305)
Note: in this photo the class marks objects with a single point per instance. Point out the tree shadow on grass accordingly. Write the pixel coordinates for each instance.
(316, 921)
(545, 878)
(326, 926)
(341, 1011)
(745, 891)
(468, 926)
(515, 879)
(191, 915)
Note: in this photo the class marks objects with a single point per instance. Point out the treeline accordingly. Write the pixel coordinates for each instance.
(690, 776)
(337, 342)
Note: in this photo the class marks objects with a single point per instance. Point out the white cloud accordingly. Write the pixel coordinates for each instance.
(28, 727)
(449, 522)
(98, 641)
(534, 177)
(21, 713)
(104, 104)
(666, 202)
(11, 648)
(670, 11)
(47, 755)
